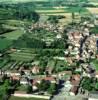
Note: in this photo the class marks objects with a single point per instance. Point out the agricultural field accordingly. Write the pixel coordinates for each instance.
(93, 10)
(65, 11)
(14, 35)
(5, 43)
(6, 39)
(21, 56)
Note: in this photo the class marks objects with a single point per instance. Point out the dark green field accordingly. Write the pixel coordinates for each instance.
(5, 43)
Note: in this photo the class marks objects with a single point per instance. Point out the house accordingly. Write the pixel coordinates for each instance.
(76, 35)
(35, 70)
(97, 56)
(50, 79)
(75, 81)
(74, 90)
(69, 60)
(93, 96)
(49, 70)
(15, 78)
(12, 73)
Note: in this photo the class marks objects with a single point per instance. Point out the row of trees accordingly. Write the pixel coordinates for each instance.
(19, 11)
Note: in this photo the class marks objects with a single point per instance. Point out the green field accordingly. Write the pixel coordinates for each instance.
(17, 98)
(5, 43)
(21, 56)
(13, 35)
(51, 10)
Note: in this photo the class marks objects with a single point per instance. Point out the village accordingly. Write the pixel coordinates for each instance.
(29, 82)
(50, 52)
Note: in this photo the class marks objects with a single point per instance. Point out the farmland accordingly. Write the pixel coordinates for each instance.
(5, 43)
(14, 35)
(22, 56)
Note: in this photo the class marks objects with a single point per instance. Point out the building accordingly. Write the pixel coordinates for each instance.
(75, 81)
(35, 70)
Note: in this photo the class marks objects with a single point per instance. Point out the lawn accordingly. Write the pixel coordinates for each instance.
(5, 43)
(14, 35)
(18, 98)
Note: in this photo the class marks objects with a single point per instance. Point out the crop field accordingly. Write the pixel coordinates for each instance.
(14, 35)
(93, 10)
(45, 10)
(65, 11)
(19, 56)
(5, 43)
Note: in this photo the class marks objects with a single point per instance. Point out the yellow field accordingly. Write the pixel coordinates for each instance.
(67, 19)
(93, 10)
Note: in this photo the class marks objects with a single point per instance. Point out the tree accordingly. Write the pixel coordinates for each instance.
(96, 86)
(53, 19)
(52, 88)
(73, 16)
(29, 89)
(58, 44)
(88, 84)
(44, 85)
(1, 27)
